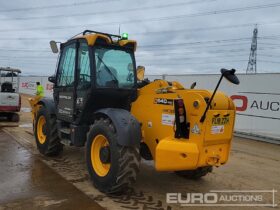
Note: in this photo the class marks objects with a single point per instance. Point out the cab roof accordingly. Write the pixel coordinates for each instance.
(93, 37)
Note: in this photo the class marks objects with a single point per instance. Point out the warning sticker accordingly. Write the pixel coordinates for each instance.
(167, 119)
(217, 129)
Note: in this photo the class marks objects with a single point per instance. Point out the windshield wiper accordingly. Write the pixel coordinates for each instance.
(108, 69)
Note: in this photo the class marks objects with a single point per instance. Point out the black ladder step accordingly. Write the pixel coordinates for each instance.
(65, 130)
(66, 142)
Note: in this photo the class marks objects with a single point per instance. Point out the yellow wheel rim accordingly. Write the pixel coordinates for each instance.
(101, 169)
(40, 129)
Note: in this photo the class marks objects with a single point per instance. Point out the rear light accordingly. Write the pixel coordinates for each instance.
(180, 102)
(181, 124)
(181, 111)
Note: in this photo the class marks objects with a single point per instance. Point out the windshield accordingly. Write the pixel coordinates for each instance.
(114, 68)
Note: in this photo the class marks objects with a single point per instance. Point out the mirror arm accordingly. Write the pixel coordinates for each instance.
(202, 119)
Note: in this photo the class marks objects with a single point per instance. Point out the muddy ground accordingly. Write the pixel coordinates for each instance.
(253, 165)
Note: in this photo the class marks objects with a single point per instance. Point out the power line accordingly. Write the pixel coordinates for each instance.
(153, 49)
(195, 43)
(271, 37)
(163, 32)
(108, 11)
(165, 44)
(147, 46)
(197, 63)
(34, 58)
(56, 6)
(161, 63)
(190, 50)
(190, 58)
(207, 28)
(55, 58)
(265, 61)
(31, 57)
(210, 51)
(24, 50)
(270, 56)
(169, 63)
(216, 12)
(175, 45)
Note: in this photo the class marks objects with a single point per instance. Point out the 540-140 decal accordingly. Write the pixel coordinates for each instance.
(163, 101)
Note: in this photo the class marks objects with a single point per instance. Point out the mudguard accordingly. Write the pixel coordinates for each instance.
(127, 126)
(49, 104)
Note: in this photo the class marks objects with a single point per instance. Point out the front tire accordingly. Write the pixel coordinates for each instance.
(113, 168)
(45, 131)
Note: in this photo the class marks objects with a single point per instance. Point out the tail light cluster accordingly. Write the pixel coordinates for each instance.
(182, 126)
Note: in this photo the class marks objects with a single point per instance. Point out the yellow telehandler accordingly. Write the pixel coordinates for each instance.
(102, 101)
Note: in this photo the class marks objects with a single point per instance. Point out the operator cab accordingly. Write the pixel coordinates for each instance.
(95, 70)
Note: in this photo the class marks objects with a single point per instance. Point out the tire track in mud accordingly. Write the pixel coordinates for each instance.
(75, 172)
(133, 199)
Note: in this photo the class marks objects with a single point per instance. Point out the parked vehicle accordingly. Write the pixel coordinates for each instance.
(10, 100)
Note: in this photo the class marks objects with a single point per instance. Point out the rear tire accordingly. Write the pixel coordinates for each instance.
(14, 117)
(119, 173)
(45, 132)
(195, 174)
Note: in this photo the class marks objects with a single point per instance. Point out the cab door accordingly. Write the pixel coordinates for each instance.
(64, 90)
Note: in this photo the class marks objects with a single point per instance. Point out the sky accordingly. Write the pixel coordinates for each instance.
(173, 37)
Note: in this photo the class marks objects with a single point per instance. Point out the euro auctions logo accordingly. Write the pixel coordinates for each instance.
(258, 104)
(261, 198)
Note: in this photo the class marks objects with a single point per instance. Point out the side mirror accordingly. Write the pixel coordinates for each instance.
(193, 85)
(51, 79)
(54, 46)
(230, 76)
(140, 73)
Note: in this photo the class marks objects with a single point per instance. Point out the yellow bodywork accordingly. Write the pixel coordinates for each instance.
(102, 169)
(34, 106)
(208, 143)
(40, 129)
(91, 40)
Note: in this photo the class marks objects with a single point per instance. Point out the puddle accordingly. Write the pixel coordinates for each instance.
(25, 109)
(27, 125)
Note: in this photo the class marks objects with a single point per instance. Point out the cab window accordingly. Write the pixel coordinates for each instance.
(84, 76)
(66, 70)
(114, 68)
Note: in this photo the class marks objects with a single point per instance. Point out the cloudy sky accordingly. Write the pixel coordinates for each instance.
(174, 37)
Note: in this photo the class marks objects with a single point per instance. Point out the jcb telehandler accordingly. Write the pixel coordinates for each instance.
(101, 100)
